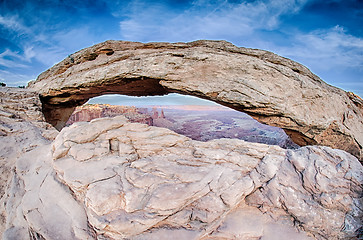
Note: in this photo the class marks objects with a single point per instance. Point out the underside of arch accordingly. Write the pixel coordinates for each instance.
(57, 110)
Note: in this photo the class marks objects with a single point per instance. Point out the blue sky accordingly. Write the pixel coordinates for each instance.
(324, 35)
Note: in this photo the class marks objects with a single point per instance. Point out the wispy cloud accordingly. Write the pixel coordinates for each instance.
(35, 42)
(10, 59)
(13, 23)
(204, 19)
(327, 48)
(15, 79)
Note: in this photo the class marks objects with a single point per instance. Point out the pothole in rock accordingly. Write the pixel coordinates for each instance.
(193, 117)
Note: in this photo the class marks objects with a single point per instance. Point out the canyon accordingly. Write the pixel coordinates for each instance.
(202, 123)
(111, 178)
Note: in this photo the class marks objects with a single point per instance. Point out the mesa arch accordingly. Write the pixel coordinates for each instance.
(274, 90)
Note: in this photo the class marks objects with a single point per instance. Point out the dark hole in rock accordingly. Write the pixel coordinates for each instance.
(193, 117)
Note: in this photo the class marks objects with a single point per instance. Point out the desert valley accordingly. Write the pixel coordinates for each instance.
(202, 123)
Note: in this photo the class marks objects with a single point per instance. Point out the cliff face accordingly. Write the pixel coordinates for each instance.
(86, 113)
(22, 129)
(196, 122)
(112, 179)
(272, 89)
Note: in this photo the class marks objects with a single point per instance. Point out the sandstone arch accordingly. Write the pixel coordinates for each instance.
(272, 89)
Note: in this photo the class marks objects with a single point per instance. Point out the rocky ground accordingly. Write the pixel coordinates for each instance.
(112, 179)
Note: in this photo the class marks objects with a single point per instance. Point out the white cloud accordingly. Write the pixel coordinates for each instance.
(11, 59)
(29, 53)
(205, 20)
(13, 23)
(327, 49)
(50, 55)
(15, 79)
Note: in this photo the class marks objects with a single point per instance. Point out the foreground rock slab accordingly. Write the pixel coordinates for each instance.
(142, 182)
(272, 89)
(112, 179)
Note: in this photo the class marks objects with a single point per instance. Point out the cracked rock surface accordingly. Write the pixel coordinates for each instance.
(22, 129)
(143, 182)
(112, 179)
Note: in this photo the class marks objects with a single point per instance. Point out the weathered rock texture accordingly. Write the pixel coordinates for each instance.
(272, 89)
(22, 129)
(143, 182)
(86, 113)
(112, 179)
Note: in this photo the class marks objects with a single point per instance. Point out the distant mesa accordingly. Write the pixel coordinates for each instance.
(191, 121)
(88, 112)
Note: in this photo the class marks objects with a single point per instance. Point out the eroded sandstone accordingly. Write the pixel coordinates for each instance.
(112, 179)
(142, 182)
(273, 89)
(22, 129)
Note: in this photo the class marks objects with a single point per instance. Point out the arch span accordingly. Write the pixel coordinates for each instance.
(272, 89)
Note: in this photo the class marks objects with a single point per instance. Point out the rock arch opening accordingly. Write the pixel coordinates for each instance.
(199, 119)
(58, 109)
(272, 89)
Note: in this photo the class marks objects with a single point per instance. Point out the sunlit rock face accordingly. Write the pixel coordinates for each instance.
(88, 112)
(273, 89)
(142, 182)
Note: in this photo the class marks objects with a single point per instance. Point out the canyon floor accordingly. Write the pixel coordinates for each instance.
(202, 123)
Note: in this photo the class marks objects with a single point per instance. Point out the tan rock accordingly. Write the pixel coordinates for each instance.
(272, 89)
(112, 179)
(174, 187)
(22, 129)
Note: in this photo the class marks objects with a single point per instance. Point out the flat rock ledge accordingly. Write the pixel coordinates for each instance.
(272, 89)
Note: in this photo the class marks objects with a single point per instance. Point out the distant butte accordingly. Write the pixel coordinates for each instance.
(274, 90)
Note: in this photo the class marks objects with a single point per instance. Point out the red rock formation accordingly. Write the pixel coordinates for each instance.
(88, 112)
(162, 115)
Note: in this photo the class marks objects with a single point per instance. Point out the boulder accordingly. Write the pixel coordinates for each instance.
(272, 89)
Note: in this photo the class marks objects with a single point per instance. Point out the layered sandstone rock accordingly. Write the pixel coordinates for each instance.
(112, 179)
(22, 129)
(142, 182)
(272, 89)
(88, 112)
